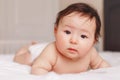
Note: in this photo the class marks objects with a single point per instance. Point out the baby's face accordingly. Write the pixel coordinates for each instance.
(75, 35)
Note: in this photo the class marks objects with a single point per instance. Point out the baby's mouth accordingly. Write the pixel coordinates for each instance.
(72, 50)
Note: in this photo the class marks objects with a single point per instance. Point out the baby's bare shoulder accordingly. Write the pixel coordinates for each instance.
(93, 51)
(93, 54)
(50, 48)
(47, 55)
(50, 52)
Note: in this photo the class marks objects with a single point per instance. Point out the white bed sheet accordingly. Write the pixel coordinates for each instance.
(15, 71)
(10, 70)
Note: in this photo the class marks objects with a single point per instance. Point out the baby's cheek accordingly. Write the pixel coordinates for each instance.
(84, 50)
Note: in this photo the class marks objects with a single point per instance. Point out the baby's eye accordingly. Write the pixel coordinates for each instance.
(83, 36)
(67, 32)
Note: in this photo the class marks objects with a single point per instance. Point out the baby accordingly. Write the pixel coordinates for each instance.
(76, 31)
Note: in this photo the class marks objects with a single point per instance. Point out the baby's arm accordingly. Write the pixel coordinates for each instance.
(97, 61)
(45, 61)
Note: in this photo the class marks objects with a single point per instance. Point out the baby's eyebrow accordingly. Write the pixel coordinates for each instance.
(86, 31)
(69, 26)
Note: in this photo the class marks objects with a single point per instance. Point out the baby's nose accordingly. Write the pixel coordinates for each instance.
(73, 40)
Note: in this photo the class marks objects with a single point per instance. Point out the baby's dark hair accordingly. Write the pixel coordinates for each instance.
(83, 9)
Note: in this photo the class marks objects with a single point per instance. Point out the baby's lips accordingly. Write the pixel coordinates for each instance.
(72, 49)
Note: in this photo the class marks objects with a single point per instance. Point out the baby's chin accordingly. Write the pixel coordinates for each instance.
(73, 57)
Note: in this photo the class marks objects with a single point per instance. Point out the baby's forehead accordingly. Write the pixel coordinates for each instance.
(80, 17)
(81, 14)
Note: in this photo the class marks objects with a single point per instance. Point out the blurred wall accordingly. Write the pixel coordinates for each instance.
(22, 21)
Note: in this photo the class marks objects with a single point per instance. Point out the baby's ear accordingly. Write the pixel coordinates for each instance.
(55, 29)
(94, 42)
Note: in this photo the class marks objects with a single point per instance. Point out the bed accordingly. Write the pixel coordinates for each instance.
(10, 70)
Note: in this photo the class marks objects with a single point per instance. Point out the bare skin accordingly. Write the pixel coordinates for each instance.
(60, 64)
(69, 53)
(23, 55)
(72, 51)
